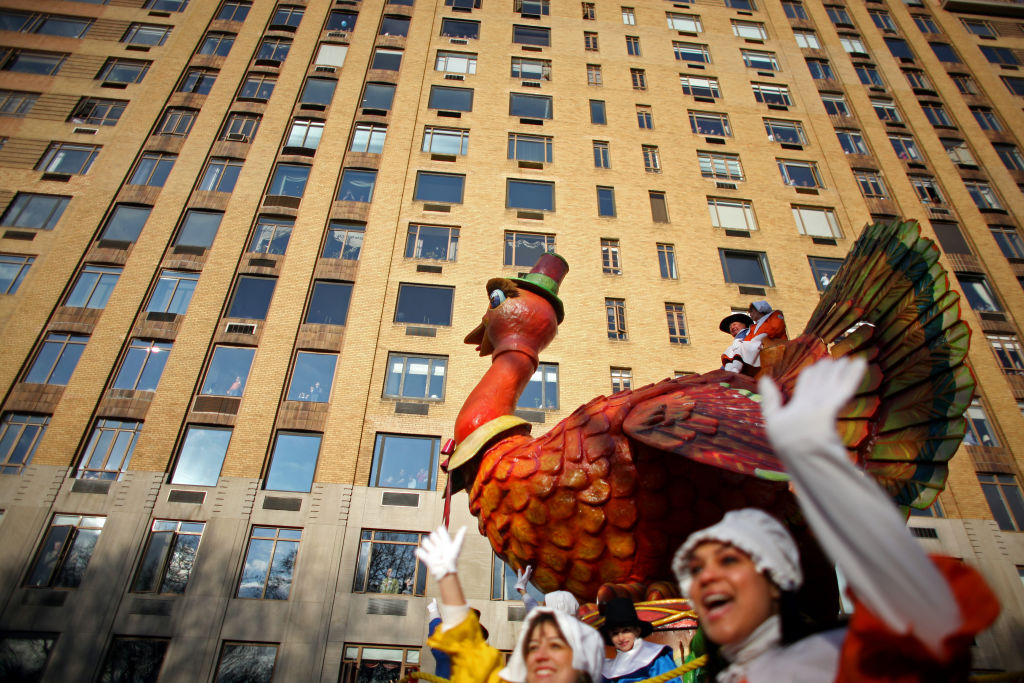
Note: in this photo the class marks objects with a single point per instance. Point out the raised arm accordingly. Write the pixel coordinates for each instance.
(440, 552)
(852, 518)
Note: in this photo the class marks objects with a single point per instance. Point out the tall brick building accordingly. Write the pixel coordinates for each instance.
(241, 243)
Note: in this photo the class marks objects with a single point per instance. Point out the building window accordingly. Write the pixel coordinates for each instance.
(720, 166)
(372, 662)
(799, 173)
(789, 132)
(927, 190)
(457, 28)
(597, 113)
(452, 141)
(531, 69)
(201, 456)
(794, 10)
(996, 55)
(421, 377)
(638, 78)
(644, 117)
(57, 358)
(64, 554)
(958, 152)
(659, 206)
(197, 81)
(292, 465)
(710, 123)
(198, 229)
(152, 169)
(234, 10)
(732, 214)
(120, 70)
(228, 371)
(220, 175)
(590, 41)
(65, 157)
(606, 201)
(771, 94)
(378, 97)
(96, 111)
(271, 235)
(523, 248)
(172, 293)
(652, 158)
(344, 241)
(169, 557)
(1010, 156)
(240, 127)
(286, 17)
(531, 195)
(456, 63)
(273, 51)
(536, 148)
(424, 304)
(13, 269)
(367, 138)
(93, 287)
(146, 34)
(667, 261)
(404, 462)
(589, 11)
(257, 87)
(450, 99)
(633, 46)
(530, 106)
(628, 16)
(166, 5)
(979, 431)
(252, 297)
(983, 195)
(541, 392)
(820, 69)
(503, 582)
(979, 294)
(622, 379)
(610, 262)
(216, 44)
(312, 377)
(20, 434)
(870, 183)
(531, 8)
(936, 115)
(289, 180)
(924, 22)
(1004, 500)
(986, 118)
(868, 75)
(806, 39)
(905, 147)
(305, 135)
(387, 564)
(318, 91)
(33, 62)
(386, 60)
(1014, 84)
(687, 23)
(838, 15)
(594, 74)
(439, 187)
(615, 313)
(946, 53)
(15, 103)
(1009, 241)
(109, 450)
(531, 35)
(852, 142)
(757, 59)
(752, 30)
(357, 185)
(691, 52)
(432, 242)
(676, 315)
(176, 121)
(965, 84)
(269, 564)
(1009, 353)
(886, 111)
(746, 267)
(328, 305)
(246, 661)
(143, 365)
(700, 87)
(823, 270)
(917, 79)
(816, 222)
(601, 155)
(134, 659)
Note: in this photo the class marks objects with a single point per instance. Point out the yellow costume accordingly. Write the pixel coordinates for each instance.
(473, 660)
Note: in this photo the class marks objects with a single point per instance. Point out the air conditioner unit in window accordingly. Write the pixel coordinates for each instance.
(240, 328)
(455, 77)
(458, 41)
(237, 137)
(325, 69)
(337, 34)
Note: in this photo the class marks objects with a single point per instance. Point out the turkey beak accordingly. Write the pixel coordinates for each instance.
(479, 337)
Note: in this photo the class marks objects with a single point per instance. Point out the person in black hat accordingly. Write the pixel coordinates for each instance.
(636, 659)
(737, 325)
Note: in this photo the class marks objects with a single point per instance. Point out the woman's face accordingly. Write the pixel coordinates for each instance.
(548, 656)
(623, 638)
(730, 596)
(754, 314)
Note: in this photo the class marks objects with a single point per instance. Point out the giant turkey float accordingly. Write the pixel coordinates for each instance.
(599, 503)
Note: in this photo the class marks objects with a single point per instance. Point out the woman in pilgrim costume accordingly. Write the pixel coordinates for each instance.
(914, 618)
(636, 659)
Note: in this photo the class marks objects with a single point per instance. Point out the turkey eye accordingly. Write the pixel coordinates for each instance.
(497, 298)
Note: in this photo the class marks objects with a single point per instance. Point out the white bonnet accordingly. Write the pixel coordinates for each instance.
(756, 533)
(762, 307)
(587, 646)
(563, 601)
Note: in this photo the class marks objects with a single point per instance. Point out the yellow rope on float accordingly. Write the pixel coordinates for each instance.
(667, 676)
(993, 678)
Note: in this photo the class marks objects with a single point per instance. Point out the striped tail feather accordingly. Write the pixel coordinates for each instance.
(891, 303)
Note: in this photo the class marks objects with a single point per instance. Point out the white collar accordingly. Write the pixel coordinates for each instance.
(764, 638)
(642, 654)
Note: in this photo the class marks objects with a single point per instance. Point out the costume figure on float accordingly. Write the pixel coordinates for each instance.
(738, 326)
(766, 329)
(635, 658)
(914, 619)
(563, 601)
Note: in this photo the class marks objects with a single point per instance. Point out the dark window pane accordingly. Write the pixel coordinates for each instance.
(312, 377)
(252, 297)
(425, 305)
(530, 106)
(199, 228)
(455, 99)
(439, 187)
(525, 194)
(137, 660)
(125, 223)
(405, 462)
(357, 185)
(293, 463)
(228, 372)
(318, 91)
(329, 303)
(394, 26)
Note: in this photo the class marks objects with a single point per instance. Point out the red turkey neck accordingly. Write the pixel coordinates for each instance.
(496, 393)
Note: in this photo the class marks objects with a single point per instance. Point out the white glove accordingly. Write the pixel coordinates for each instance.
(523, 578)
(440, 552)
(807, 424)
(432, 611)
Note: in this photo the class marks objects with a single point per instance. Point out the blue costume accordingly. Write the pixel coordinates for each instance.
(645, 660)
